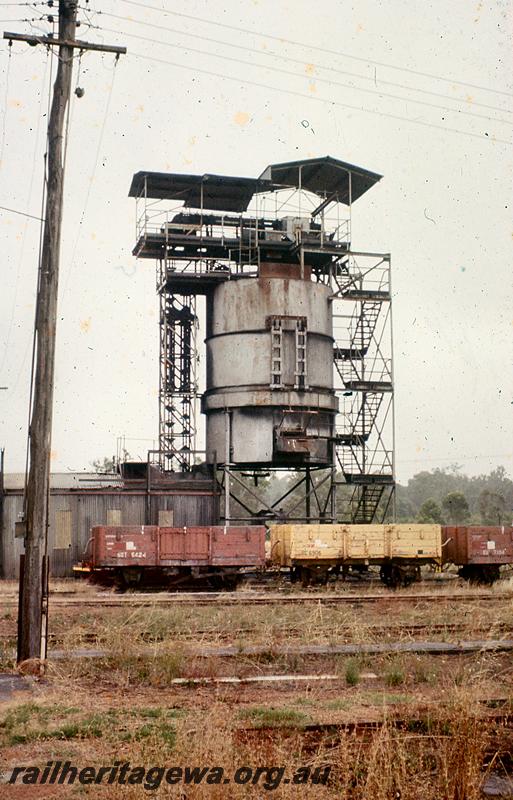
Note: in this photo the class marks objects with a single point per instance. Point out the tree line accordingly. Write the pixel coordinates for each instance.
(451, 497)
(442, 496)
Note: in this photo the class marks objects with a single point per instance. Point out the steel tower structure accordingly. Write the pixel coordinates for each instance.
(291, 223)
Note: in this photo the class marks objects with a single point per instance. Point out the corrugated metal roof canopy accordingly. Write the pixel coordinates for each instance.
(323, 176)
(219, 192)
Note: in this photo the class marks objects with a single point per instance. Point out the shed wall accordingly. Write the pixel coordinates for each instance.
(95, 508)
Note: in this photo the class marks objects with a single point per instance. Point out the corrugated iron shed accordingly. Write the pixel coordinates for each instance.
(80, 500)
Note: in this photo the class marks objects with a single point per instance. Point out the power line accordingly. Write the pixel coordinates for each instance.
(22, 213)
(91, 179)
(23, 242)
(321, 99)
(302, 63)
(316, 78)
(309, 46)
(49, 60)
(4, 115)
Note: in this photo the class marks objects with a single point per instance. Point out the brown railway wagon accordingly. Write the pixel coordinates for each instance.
(135, 553)
(477, 550)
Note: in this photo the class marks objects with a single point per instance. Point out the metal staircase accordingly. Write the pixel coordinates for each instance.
(363, 362)
(367, 504)
(349, 358)
(358, 427)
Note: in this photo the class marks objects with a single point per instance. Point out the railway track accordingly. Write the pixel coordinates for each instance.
(371, 648)
(409, 724)
(343, 632)
(237, 599)
(491, 710)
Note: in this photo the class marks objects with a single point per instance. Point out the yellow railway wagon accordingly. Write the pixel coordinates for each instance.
(293, 543)
(314, 551)
(373, 543)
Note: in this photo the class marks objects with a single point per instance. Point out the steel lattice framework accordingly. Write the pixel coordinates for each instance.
(178, 385)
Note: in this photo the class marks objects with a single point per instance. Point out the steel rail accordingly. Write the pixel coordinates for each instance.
(238, 599)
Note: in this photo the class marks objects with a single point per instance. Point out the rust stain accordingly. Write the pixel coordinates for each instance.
(312, 87)
(85, 325)
(241, 118)
(14, 103)
(309, 69)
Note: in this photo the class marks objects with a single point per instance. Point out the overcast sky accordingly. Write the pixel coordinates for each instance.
(196, 95)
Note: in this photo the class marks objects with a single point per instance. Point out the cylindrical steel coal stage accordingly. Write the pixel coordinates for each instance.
(269, 395)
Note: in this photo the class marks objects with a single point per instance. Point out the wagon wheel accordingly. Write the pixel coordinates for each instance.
(391, 575)
(230, 582)
(487, 574)
(385, 575)
(120, 584)
(306, 577)
(295, 574)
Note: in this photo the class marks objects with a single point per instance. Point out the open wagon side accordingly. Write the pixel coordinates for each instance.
(148, 555)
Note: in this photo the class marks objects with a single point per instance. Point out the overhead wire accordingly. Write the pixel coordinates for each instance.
(237, 79)
(23, 241)
(301, 62)
(309, 46)
(4, 115)
(316, 78)
(91, 179)
(21, 213)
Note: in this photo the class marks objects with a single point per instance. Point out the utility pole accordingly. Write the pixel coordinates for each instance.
(32, 623)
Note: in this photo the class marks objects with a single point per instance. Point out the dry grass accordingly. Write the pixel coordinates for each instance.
(124, 706)
(114, 627)
(438, 754)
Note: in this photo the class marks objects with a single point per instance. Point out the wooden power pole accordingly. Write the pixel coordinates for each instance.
(32, 609)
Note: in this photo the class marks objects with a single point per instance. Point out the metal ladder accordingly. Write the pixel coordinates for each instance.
(300, 372)
(276, 353)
